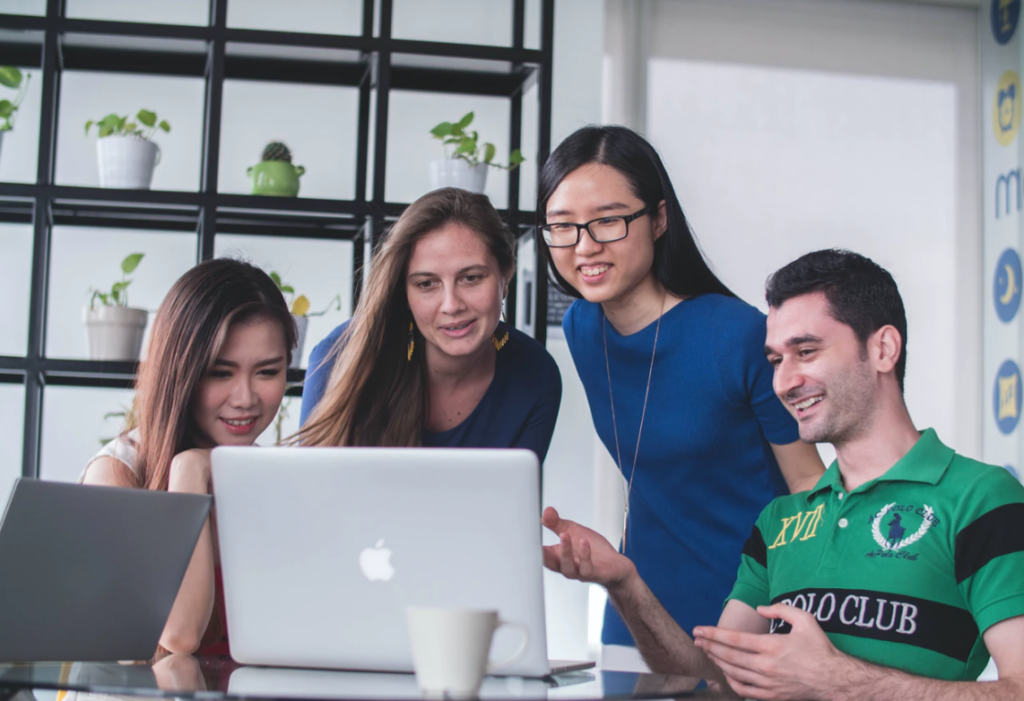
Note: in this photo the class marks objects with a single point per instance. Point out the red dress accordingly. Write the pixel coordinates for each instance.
(215, 639)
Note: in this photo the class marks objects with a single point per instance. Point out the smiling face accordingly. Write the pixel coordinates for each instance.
(455, 289)
(604, 272)
(822, 371)
(242, 391)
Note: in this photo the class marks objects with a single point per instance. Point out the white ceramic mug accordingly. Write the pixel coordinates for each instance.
(450, 649)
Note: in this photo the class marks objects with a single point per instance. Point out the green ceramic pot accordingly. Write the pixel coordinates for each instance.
(275, 178)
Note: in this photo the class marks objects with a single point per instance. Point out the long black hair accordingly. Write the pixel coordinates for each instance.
(679, 264)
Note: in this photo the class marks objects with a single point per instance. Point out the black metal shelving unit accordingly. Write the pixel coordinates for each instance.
(374, 62)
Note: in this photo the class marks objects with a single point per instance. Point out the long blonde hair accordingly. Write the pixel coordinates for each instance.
(375, 396)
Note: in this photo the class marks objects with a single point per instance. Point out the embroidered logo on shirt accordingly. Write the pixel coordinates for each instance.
(805, 523)
(889, 529)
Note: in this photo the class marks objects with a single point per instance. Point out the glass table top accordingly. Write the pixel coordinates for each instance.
(184, 676)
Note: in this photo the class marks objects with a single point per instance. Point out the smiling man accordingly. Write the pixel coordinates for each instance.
(896, 576)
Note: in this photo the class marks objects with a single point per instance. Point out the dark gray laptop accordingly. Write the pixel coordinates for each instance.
(90, 573)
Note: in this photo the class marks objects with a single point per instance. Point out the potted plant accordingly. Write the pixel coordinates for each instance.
(114, 329)
(274, 174)
(125, 151)
(466, 161)
(300, 312)
(11, 77)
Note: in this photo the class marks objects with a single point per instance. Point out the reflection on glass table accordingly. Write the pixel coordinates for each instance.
(184, 676)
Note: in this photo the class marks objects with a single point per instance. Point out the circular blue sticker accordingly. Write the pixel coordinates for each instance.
(1007, 284)
(1006, 397)
(1009, 468)
(1005, 14)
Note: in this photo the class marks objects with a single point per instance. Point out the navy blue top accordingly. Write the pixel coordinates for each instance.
(517, 411)
(705, 468)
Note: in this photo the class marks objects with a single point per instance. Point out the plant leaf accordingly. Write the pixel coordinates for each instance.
(457, 131)
(130, 263)
(276, 278)
(442, 130)
(489, 153)
(164, 125)
(300, 306)
(110, 120)
(106, 131)
(6, 108)
(87, 126)
(146, 117)
(467, 146)
(130, 127)
(516, 157)
(116, 289)
(10, 77)
(466, 120)
(121, 122)
(288, 289)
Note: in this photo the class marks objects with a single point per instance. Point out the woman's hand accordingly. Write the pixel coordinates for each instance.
(190, 472)
(584, 554)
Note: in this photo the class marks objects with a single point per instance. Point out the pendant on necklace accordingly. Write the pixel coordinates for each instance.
(625, 522)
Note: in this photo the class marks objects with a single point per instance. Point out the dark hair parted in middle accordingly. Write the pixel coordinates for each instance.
(679, 265)
(860, 293)
(375, 396)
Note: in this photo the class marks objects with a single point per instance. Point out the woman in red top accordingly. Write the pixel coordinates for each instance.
(214, 375)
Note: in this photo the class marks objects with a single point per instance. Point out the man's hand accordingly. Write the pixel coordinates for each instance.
(584, 554)
(794, 666)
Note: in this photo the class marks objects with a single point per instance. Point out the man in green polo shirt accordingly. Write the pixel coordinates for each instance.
(896, 576)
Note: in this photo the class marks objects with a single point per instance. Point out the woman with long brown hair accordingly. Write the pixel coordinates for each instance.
(214, 375)
(426, 359)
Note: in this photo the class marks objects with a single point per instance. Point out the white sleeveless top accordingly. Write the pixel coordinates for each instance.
(122, 448)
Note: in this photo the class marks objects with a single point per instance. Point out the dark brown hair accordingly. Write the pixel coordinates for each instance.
(375, 396)
(188, 333)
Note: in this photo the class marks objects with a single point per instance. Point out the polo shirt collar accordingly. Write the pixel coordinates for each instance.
(926, 462)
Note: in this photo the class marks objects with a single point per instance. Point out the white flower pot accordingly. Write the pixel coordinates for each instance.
(301, 324)
(115, 333)
(126, 162)
(455, 172)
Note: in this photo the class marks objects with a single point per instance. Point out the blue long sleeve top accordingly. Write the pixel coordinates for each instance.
(518, 410)
(705, 469)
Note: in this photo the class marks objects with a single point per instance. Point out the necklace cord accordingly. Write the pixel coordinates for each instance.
(628, 491)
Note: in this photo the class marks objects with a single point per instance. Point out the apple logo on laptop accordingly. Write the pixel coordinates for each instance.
(375, 563)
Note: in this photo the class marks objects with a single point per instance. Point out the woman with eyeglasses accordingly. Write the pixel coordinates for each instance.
(675, 374)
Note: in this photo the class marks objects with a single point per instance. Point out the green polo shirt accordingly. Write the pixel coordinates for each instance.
(908, 570)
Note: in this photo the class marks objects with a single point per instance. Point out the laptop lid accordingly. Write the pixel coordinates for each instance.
(90, 573)
(322, 550)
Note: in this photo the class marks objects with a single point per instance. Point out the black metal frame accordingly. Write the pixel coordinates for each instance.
(58, 43)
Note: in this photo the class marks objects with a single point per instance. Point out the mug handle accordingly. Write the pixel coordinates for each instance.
(299, 170)
(158, 153)
(519, 654)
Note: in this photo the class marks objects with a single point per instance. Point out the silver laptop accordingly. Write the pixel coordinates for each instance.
(322, 550)
(90, 573)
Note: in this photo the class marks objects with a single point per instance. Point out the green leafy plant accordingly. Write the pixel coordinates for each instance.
(118, 295)
(144, 126)
(300, 305)
(282, 416)
(11, 77)
(277, 151)
(124, 414)
(460, 143)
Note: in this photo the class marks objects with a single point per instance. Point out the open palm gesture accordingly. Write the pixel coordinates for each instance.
(584, 554)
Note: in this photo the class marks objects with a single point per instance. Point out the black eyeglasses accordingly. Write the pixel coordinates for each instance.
(602, 230)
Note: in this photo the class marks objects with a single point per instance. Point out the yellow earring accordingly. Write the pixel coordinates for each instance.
(411, 343)
(499, 343)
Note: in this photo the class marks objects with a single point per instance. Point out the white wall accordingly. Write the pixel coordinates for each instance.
(793, 125)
